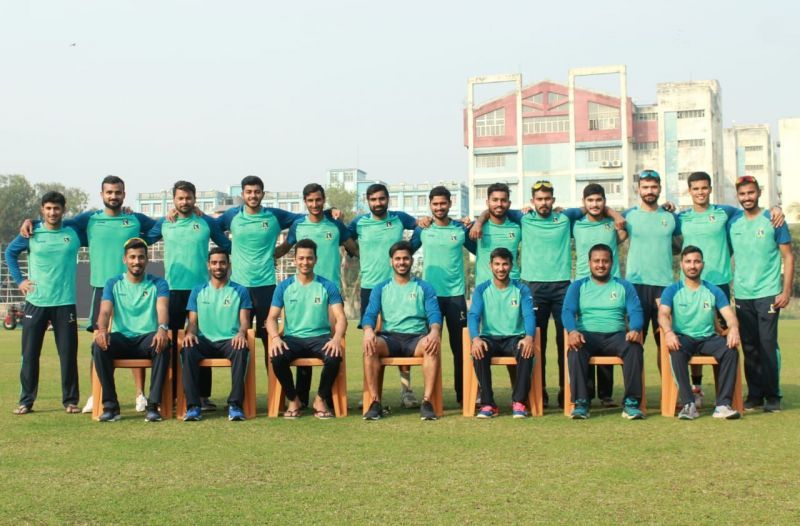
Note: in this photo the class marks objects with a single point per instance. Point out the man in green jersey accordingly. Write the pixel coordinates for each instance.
(138, 303)
(219, 316)
(686, 317)
(49, 293)
(498, 231)
(309, 302)
(186, 241)
(375, 232)
(502, 323)
(443, 267)
(594, 314)
(759, 251)
(412, 326)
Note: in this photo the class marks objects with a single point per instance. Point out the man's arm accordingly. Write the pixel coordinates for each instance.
(276, 344)
(733, 338)
(14, 249)
(665, 324)
(284, 217)
(239, 341)
(101, 328)
(154, 234)
(282, 249)
(782, 299)
(161, 339)
(190, 334)
(217, 235)
(416, 239)
(333, 347)
(633, 307)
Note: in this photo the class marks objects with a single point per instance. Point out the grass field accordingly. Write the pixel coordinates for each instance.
(59, 468)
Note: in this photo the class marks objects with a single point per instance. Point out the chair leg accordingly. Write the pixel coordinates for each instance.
(366, 399)
(340, 390)
(180, 395)
(97, 394)
(568, 405)
(643, 403)
(438, 401)
(249, 405)
(275, 393)
(535, 397)
(470, 384)
(669, 391)
(738, 398)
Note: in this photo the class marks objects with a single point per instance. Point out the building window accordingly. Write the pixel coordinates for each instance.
(645, 146)
(208, 206)
(753, 167)
(647, 116)
(683, 176)
(348, 177)
(536, 98)
(334, 177)
(612, 188)
(454, 199)
(691, 143)
(146, 209)
(602, 117)
(480, 191)
(691, 114)
(157, 209)
(553, 124)
(753, 148)
(393, 202)
(495, 160)
(554, 98)
(603, 154)
(408, 203)
(422, 201)
(492, 124)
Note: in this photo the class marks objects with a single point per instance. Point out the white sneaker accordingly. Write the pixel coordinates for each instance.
(141, 403)
(409, 401)
(726, 412)
(89, 405)
(698, 396)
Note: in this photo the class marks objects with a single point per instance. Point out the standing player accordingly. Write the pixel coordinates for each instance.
(375, 233)
(758, 250)
(443, 267)
(49, 293)
(499, 231)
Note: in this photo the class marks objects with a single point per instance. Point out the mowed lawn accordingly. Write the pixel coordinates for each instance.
(59, 468)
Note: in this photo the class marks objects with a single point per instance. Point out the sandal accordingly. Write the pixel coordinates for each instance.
(72, 409)
(22, 410)
(292, 414)
(324, 414)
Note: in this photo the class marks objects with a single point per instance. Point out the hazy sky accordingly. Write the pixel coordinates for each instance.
(155, 91)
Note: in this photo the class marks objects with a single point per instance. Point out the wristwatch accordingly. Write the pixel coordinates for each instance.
(163, 326)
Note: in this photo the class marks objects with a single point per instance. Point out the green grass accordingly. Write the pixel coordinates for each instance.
(58, 468)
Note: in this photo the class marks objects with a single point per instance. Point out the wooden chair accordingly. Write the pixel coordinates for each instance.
(249, 402)
(669, 389)
(470, 386)
(133, 363)
(594, 360)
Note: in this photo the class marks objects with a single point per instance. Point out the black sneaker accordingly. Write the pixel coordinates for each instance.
(109, 415)
(608, 402)
(752, 405)
(773, 405)
(375, 411)
(152, 414)
(426, 411)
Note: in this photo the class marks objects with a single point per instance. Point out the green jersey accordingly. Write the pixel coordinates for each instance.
(708, 231)
(588, 234)
(546, 252)
(375, 237)
(757, 256)
(218, 309)
(501, 312)
(694, 311)
(650, 251)
(305, 307)
(409, 308)
(601, 307)
(506, 234)
(135, 304)
(443, 263)
(328, 234)
(52, 264)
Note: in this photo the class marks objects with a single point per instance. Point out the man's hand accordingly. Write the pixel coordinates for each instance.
(669, 206)
(634, 336)
(277, 346)
(476, 231)
(672, 341)
(336, 214)
(189, 339)
(26, 229)
(333, 347)
(101, 338)
(160, 340)
(777, 217)
(424, 221)
(619, 219)
(478, 349)
(370, 342)
(171, 215)
(733, 337)
(575, 340)
(26, 287)
(467, 221)
(239, 341)
(781, 300)
(526, 344)
(432, 342)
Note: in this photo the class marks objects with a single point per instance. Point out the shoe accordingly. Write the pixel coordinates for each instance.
(110, 415)
(152, 414)
(631, 410)
(193, 414)
(752, 405)
(773, 405)
(608, 402)
(688, 412)
(235, 413)
(141, 403)
(375, 411)
(426, 411)
(698, 393)
(89, 405)
(518, 410)
(72, 409)
(207, 404)
(409, 401)
(726, 412)
(488, 411)
(581, 410)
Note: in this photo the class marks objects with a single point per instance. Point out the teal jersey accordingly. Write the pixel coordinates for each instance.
(52, 265)
(757, 256)
(375, 237)
(601, 307)
(650, 250)
(218, 309)
(328, 234)
(708, 231)
(501, 312)
(506, 234)
(588, 234)
(546, 251)
(253, 239)
(409, 308)
(135, 304)
(443, 263)
(186, 243)
(305, 307)
(694, 311)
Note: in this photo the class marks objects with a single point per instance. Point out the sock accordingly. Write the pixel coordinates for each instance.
(697, 380)
(405, 381)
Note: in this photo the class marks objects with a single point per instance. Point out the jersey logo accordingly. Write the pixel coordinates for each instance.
(265, 224)
(512, 235)
(329, 235)
(454, 237)
(555, 219)
(317, 300)
(712, 218)
(771, 309)
(514, 303)
(125, 222)
(226, 302)
(608, 226)
(388, 224)
(706, 305)
(664, 223)
(613, 295)
(67, 239)
(196, 227)
(145, 293)
(760, 234)
(412, 295)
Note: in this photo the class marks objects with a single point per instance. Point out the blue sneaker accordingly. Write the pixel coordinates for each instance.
(488, 411)
(518, 410)
(581, 410)
(193, 414)
(235, 413)
(631, 410)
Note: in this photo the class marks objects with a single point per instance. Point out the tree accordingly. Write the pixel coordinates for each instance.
(339, 197)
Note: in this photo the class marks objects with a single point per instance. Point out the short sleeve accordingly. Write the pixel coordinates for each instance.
(245, 302)
(291, 236)
(416, 239)
(515, 216)
(677, 231)
(108, 290)
(277, 297)
(224, 221)
(334, 296)
(191, 305)
(344, 234)
(409, 222)
(668, 295)
(782, 235)
(162, 289)
(145, 222)
(721, 300)
(573, 214)
(285, 219)
(217, 234)
(353, 227)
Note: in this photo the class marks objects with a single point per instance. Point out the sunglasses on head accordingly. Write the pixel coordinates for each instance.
(746, 179)
(542, 184)
(650, 174)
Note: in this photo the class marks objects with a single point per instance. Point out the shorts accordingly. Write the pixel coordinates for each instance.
(401, 345)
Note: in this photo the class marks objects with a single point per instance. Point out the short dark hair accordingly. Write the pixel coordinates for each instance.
(691, 249)
(54, 197)
(594, 189)
(601, 247)
(134, 243)
(502, 253)
(377, 187)
(498, 187)
(112, 179)
(186, 186)
(698, 176)
(253, 180)
(218, 250)
(401, 245)
(306, 243)
(439, 191)
(313, 188)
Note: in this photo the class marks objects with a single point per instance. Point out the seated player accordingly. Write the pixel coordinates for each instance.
(502, 323)
(686, 317)
(412, 326)
(309, 302)
(219, 316)
(594, 313)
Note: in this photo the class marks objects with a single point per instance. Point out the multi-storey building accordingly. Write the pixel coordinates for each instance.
(156, 204)
(789, 167)
(748, 151)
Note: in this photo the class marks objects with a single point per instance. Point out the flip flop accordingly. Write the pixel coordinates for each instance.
(323, 415)
(292, 414)
(72, 409)
(22, 410)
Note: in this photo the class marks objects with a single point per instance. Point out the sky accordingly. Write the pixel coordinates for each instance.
(156, 91)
